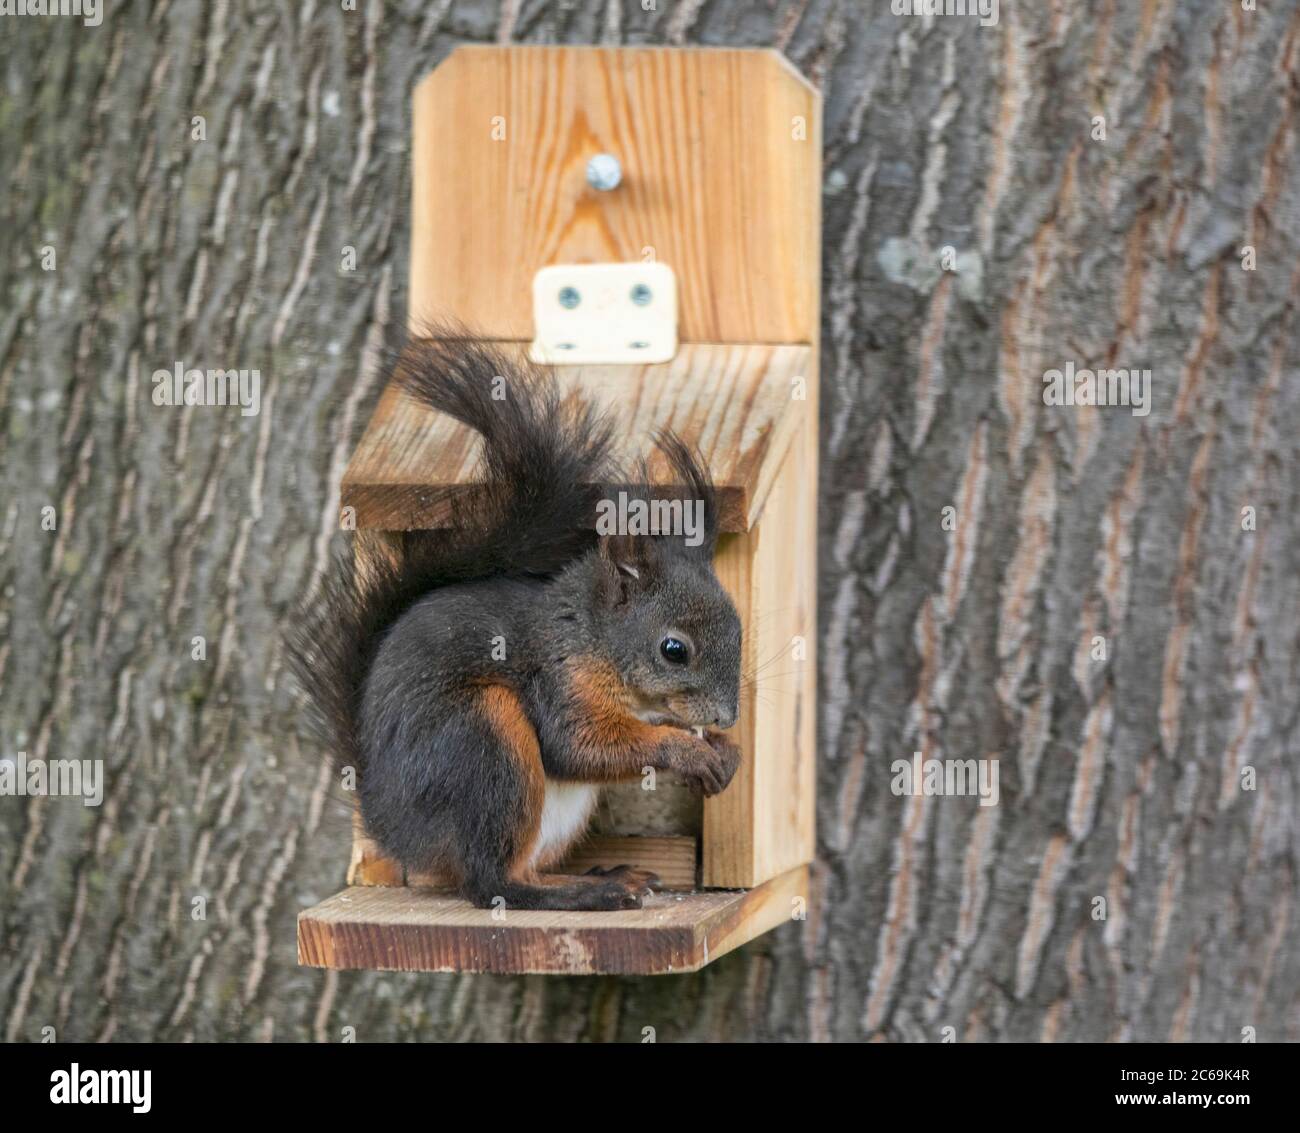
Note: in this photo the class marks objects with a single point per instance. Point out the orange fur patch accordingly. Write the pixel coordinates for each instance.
(609, 737)
(510, 724)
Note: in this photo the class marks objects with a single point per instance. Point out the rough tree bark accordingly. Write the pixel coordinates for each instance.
(1120, 778)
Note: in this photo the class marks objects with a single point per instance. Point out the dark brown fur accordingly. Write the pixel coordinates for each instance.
(454, 743)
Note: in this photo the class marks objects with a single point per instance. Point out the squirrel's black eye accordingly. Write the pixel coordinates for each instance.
(674, 650)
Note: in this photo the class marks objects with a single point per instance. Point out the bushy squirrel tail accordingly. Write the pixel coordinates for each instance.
(543, 460)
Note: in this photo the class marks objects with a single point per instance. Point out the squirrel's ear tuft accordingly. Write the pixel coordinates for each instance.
(695, 486)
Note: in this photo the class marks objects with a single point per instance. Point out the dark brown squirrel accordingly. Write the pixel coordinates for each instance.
(491, 678)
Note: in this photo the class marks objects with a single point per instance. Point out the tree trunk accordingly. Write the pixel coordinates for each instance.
(1108, 609)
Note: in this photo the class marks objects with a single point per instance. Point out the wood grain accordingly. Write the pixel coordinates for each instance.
(763, 823)
(721, 180)
(672, 858)
(734, 402)
(422, 930)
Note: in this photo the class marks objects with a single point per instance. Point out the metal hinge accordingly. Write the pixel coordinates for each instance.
(604, 313)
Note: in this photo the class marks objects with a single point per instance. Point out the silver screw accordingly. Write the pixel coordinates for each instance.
(569, 297)
(604, 172)
(641, 295)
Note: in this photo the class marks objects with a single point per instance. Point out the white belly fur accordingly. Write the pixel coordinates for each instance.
(565, 814)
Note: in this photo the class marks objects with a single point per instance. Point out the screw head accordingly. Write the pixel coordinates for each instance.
(569, 297)
(641, 295)
(604, 172)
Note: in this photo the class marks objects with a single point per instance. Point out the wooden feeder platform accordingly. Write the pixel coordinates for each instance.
(423, 930)
(720, 152)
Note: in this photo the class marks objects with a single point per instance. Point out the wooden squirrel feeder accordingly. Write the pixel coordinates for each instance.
(717, 175)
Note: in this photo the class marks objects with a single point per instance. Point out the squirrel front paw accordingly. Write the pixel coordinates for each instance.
(710, 763)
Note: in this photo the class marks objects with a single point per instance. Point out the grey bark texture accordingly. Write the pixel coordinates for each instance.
(963, 634)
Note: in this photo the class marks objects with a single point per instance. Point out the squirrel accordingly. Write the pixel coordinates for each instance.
(489, 679)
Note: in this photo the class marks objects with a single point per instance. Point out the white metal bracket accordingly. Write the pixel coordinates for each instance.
(604, 313)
